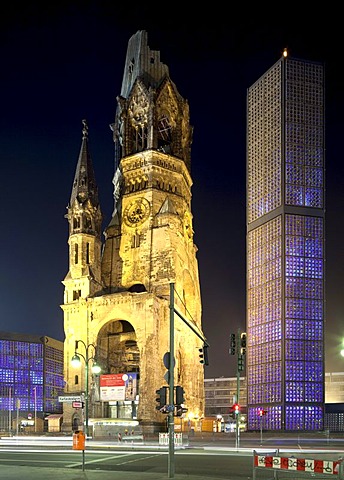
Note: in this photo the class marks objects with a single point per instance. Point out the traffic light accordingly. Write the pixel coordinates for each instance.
(243, 343)
(240, 363)
(203, 355)
(236, 409)
(261, 412)
(179, 395)
(232, 344)
(161, 399)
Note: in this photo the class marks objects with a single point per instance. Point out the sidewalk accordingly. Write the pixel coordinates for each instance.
(40, 473)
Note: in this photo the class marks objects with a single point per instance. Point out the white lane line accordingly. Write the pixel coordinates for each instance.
(98, 460)
(136, 460)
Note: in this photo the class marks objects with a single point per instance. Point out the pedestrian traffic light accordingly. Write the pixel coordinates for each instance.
(161, 399)
(243, 343)
(203, 355)
(236, 408)
(180, 395)
(232, 345)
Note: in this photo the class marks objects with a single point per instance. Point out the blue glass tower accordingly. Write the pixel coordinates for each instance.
(31, 379)
(285, 247)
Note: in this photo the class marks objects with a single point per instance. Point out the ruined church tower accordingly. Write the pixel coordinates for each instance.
(117, 291)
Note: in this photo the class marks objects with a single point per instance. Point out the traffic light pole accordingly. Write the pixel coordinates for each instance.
(237, 420)
(171, 463)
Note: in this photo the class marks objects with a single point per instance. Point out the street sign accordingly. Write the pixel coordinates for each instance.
(167, 363)
(69, 398)
(78, 404)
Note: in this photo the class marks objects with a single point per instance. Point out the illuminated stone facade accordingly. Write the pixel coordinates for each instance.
(117, 292)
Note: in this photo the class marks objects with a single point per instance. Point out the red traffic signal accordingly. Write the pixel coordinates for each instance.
(261, 412)
(236, 408)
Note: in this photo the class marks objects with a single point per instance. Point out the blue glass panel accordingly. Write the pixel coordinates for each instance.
(294, 418)
(294, 308)
(314, 310)
(313, 268)
(314, 418)
(295, 245)
(313, 288)
(313, 392)
(294, 371)
(314, 227)
(313, 351)
(294, 329)
(313, 247)
(294, 266)
(21, 376)
(314, 330)
(314, 177)
(294, 349)
(295, 287)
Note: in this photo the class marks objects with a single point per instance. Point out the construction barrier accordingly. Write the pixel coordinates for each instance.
(303, 466)
(164, 439)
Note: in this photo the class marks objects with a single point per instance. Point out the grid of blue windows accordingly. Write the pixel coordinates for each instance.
(294, 277)
(21, 372)
(304, 318)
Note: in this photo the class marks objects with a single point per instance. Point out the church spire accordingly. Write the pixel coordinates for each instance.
(85, 220)
(84, 212)
(84, 185)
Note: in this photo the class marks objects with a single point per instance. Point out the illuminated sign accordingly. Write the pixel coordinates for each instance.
(118, 387)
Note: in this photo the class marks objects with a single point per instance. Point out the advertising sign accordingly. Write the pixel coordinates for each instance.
(118, 387)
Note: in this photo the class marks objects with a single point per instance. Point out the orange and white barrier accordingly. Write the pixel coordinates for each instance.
(165, 440)
(292, 465)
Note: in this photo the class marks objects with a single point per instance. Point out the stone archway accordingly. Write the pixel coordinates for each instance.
(117, 354)
(117, 349)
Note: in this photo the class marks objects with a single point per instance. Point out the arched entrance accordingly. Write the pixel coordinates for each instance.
(119, 358)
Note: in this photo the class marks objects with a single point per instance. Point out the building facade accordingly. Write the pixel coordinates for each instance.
(221, 394)
(285, 246)
(117, 296)
(31, 380)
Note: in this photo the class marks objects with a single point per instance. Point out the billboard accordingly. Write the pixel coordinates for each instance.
(118, 386)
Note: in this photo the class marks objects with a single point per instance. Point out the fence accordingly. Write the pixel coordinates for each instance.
(300, 466)
(164, 439)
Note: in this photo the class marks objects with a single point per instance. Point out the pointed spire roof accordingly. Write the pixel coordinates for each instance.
(84, 185)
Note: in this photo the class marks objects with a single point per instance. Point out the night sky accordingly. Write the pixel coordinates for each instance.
(65, 63)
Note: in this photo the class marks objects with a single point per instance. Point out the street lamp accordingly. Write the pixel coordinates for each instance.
(35, 398)
(76, 362)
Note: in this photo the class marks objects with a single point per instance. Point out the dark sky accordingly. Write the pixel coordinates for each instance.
(64, 63)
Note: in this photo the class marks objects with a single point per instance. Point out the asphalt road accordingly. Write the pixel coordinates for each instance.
(210, 459)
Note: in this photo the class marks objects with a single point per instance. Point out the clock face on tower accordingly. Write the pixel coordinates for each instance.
(136, 212)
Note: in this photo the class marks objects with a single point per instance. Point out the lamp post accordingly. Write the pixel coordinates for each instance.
(76, 362)
(35, 398)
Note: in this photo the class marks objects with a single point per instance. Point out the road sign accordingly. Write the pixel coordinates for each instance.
(69, 398)
(78, 404)
(167, 362)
